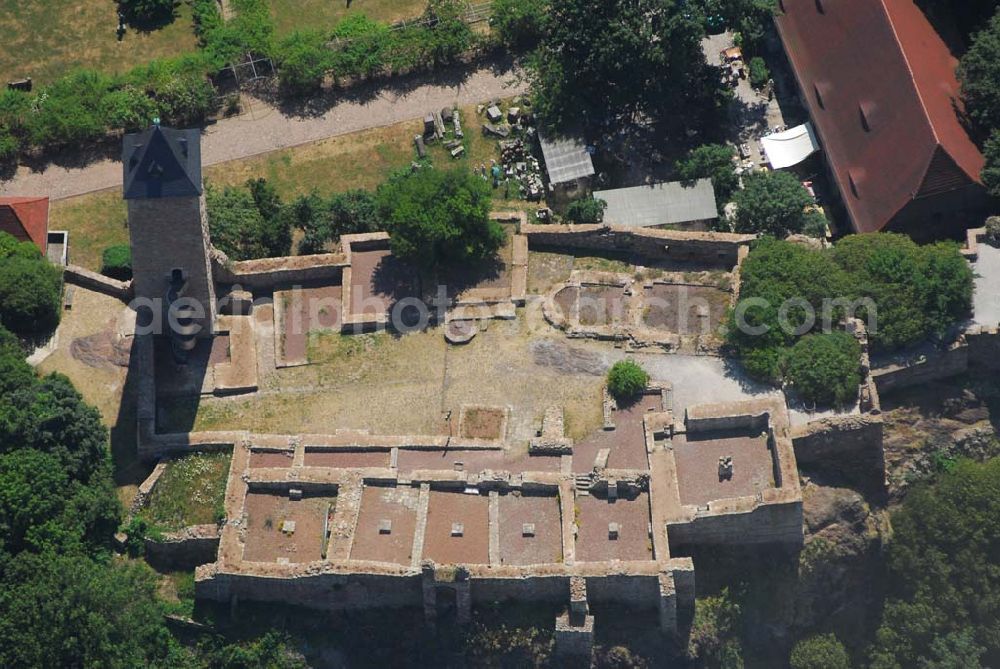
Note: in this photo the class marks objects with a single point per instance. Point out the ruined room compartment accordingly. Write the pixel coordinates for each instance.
(515, 462)
(600, 304)
(626, 443)
(386, 525)
(344, 459)
(379, 280)
(457, 528)
(309, 309)
(697, 456)
(273, 459)
(685, 309)
(281, 528)
(613, 529)
(530, 529)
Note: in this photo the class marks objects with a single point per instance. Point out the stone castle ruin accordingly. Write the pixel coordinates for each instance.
(351, 520)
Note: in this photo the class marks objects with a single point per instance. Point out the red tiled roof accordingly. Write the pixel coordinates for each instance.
(26, 218)
(881, 88)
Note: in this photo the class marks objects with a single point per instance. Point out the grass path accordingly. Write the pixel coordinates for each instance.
(291, 15)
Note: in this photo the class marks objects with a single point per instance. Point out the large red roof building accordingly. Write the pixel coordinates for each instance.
(27, 219)
(880, 86)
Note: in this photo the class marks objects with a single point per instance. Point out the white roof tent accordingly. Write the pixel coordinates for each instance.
(566, 158)
(673, 203)
(790, 147)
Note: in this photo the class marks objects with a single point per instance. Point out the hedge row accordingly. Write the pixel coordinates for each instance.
(84, 105)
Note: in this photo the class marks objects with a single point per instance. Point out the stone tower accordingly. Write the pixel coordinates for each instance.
(168, 226)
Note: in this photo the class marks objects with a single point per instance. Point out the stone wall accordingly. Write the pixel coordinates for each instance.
(850, 445)
(773, 523)
(80, 276)
(267, 273)
(923, 369)
(186, 549)
(715, 249)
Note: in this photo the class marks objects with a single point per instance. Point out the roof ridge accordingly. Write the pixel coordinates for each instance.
(909, 69)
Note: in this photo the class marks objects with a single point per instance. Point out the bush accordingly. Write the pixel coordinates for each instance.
(116, 262)
(979, 72)
(587, 211)
(823, 651)
(825, 368)
(711, 161)
(993, 231)
(626, 380)
(519, 24)
(759, 74)
(248, 223)
(30, 289)
(991, 170)
(303, 60)
(147, 14)
(439, 218)
(772, 203)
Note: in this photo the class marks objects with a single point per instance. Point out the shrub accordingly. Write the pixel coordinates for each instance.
(626, 380)
(362, 48)
(759, 74)
(30, 291)
(147, 13)
(822, 651)
(439, 218)
(991, 170)
(993, 231)
(246, 223)
(587, 211)
(116, 262)
(825, 368)
(303, 60)
(711, 161)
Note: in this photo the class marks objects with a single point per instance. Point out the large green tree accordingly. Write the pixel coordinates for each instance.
(439, 218)
(248, 223)
(772, 203)
(991, 172)
(823, 651)
(979, 73)
(943, 608)
(616, 62)
(825, 368)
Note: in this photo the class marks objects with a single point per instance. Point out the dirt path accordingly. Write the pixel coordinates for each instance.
(263, 128)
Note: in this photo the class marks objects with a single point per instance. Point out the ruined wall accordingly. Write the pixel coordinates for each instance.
(711, 248)
(639, 591)
(267, 273)
(984, 347)
(937, 365)
(547, 588)
(186, 549)
(778, 523)
(84, 278)
(850, 445)
(329, 591)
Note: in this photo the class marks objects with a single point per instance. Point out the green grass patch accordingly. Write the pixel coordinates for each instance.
(42, 39)
(327, 347)
(191, 492)
(291, 15)
(94, 221)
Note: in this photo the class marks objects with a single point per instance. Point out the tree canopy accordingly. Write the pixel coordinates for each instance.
(439, 218)
(711, 161)
(30, 289)
(626, 379)
(772, 203)
(823, 651)
(825, 368)
(608, 63)
(248, 223)
(943, 606)
(979, 72)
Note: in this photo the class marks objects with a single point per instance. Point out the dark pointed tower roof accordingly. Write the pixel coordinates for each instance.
(162, 162)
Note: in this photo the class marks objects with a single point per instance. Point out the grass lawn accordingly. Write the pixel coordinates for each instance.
(190, 492)
(94, 221)
(42, 39)
(290, 15)
(358, 160)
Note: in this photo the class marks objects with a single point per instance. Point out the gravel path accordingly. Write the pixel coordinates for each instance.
(263, 128)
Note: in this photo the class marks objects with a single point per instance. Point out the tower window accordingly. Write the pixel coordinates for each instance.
(864, 118)
(819, 96)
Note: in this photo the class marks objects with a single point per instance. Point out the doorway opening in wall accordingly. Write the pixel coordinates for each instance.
(446, 603)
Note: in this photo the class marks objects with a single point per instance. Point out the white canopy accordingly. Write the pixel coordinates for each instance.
(790, 147)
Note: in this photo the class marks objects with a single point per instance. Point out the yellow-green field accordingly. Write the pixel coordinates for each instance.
(94, 222)
(42, 39)
(290, 15)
